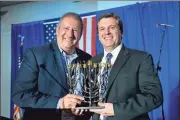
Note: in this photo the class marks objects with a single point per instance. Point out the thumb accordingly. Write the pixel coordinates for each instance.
(101, 104)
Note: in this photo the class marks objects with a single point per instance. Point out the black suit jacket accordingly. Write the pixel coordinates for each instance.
(133, 85)
(41, 81)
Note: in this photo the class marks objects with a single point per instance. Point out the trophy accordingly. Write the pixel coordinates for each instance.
(90, 81)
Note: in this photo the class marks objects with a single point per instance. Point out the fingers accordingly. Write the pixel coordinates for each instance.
(81, 112)
(78, 111)
(101, 104)
(74, 100)
(99, 111)
(107, 111)
(71, 100)
(75, 96)
(86, 110)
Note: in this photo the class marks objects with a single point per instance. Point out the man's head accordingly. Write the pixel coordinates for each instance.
(69, 31)
(110, 30)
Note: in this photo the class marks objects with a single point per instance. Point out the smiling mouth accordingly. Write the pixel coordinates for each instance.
(68, 40)
(108, 38)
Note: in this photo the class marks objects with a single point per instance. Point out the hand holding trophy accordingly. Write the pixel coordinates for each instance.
(88, 81)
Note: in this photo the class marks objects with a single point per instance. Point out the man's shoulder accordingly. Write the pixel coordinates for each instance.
(136, 52)
(139, 55)
(39, 51)
(42, 48)
(82, 53)
(97, 58)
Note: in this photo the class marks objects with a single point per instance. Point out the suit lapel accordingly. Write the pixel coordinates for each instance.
(118, 65)
(55, 67)
(98, 58)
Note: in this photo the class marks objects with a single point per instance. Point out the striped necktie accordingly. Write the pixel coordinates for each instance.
(108, 58)
(105, 75)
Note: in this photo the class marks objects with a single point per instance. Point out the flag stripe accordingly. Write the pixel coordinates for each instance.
(87, 42)
(81, 41)
(93, 45)
(84, 33)
(89, 35)
(80, 44)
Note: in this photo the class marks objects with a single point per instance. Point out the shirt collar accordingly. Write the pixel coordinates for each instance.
(74, 55)
(115, 53)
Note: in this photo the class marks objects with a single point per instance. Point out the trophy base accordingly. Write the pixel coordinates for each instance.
(91, 107)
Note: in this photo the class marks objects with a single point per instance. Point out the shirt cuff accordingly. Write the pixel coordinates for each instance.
(59, 103)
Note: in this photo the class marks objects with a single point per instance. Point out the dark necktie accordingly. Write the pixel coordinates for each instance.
(105, 74)
(108, 58)
(104, 81)
(108, 61)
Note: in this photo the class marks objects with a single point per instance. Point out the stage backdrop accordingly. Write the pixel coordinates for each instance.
(140, 32)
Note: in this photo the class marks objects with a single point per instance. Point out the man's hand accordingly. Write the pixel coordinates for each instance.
(70, 101)
(107, 111)
(78, 111)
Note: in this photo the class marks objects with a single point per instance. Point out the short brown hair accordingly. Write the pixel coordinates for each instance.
(116, 17)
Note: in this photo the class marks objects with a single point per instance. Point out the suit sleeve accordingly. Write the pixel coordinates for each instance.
(25, 92)
(149, 97)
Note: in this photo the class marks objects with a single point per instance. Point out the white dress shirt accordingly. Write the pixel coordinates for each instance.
(68, 59)
(115, 53)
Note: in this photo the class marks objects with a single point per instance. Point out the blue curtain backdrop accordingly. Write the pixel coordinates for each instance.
(33, 35)
(140, 32)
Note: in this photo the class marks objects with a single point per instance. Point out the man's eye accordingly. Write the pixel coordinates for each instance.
(66, 28)
(101, 29)
(112, 27)
(75, 30)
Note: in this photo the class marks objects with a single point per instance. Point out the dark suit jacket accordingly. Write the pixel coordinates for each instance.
(133, 85)
(41, 81)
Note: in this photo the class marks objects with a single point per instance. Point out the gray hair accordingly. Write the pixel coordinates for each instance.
(75, 16)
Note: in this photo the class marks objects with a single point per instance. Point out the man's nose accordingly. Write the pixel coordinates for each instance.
(107, 31)
(70, 33)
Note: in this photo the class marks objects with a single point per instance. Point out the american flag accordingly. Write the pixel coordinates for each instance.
(18, 112)
(87, 42)
(50, 31)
